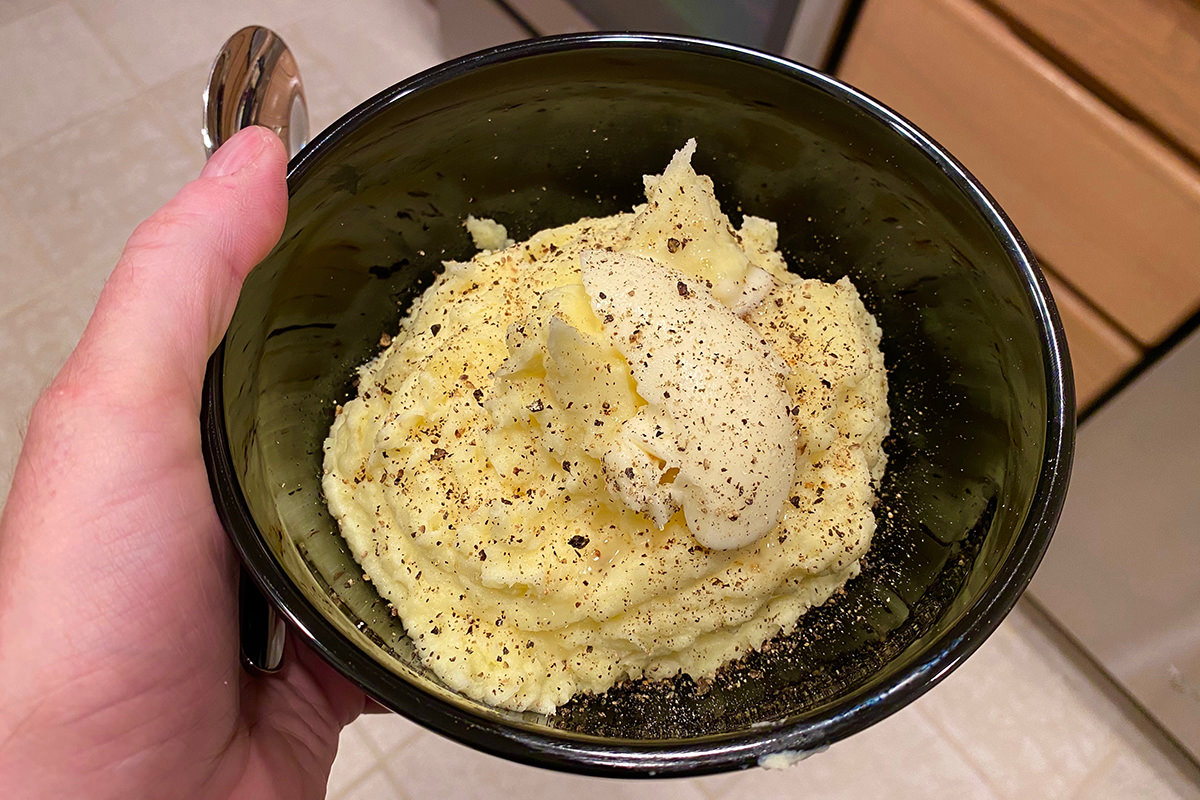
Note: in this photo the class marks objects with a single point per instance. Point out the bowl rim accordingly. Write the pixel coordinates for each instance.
(721, 752)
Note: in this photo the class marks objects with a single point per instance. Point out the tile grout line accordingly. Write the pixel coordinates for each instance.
(377, 766)
(382, 762)
(81, 122)
(50, 134)
(122, 71)
(393, 778)
(714, 793)
(116, 56)
(194, 144)
(386, 762)
(962, 752)
(22, 423)
(1092, 777)
(352, 785)
(46, 290)
(43, 257)
(1072, 665)
(22, 428)
(26, 14)
(375, 749)
(157, 117)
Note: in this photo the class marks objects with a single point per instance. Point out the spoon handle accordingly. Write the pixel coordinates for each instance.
(255, 81)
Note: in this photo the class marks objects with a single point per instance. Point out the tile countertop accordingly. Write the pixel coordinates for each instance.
(110, 133)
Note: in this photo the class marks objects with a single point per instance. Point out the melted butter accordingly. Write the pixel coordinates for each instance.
(716, 423)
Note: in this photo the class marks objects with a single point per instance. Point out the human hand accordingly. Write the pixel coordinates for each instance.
(119, 667)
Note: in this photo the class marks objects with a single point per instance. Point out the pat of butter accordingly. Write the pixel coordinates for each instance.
(715, 437)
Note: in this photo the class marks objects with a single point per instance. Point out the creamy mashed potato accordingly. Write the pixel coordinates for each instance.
(560, 476)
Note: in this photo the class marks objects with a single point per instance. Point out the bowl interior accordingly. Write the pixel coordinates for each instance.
(542, 137)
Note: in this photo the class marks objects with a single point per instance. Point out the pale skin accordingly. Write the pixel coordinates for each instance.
(119, 668)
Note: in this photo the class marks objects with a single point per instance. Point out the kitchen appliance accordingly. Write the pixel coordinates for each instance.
(1123, 576)
(808, 31)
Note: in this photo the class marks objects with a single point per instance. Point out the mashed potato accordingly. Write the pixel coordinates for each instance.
(546, 517)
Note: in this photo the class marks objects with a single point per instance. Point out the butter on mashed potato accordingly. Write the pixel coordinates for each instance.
(628, 447)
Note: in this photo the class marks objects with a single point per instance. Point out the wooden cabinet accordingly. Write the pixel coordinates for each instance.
(1099, 352)
(1146, 53)
(1108, 198)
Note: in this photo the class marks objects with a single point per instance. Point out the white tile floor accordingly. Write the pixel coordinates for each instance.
(99, 126)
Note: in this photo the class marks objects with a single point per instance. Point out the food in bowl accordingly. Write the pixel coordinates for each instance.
(632, 446)
(541, 133)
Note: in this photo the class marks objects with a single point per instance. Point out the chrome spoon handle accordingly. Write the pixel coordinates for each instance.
(255, 81)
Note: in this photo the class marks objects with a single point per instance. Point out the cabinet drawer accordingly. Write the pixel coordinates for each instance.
(1147, 52)
(1100, 354)
(1104, 203)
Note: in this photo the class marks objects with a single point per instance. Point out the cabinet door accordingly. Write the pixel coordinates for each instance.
(1103, 202)
(1147, 52)
(1100, 354)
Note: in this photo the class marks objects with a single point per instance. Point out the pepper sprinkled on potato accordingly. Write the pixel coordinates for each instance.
(537, 477)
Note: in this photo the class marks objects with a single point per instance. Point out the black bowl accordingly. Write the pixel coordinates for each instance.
(544, 132)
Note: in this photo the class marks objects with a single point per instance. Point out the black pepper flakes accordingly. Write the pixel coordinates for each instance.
(578, 541)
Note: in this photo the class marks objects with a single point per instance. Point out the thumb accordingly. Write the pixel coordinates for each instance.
(167, 304)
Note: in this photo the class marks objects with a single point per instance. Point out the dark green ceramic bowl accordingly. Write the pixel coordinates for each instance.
(541, 133)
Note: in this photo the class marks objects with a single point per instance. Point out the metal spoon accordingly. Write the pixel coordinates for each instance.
(255, 81)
